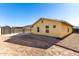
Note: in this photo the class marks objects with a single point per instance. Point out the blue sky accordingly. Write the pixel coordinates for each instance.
(20, 14)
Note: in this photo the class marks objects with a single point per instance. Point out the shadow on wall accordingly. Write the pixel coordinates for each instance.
(33, 40)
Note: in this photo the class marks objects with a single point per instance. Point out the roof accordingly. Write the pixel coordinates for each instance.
(27, 26)
(62, 21)
(5, 27)
(17, 27)
(76, 27)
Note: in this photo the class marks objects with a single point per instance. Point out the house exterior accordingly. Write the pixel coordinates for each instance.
(76, 29)
(0, 30)
(5, 30)
(27, 28)
(16, 29)
(52, 27)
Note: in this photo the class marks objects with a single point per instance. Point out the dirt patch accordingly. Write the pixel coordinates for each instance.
(12, 49)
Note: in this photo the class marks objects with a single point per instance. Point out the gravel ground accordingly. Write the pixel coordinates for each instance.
(11, 49)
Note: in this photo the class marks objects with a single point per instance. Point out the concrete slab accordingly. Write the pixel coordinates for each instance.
(71, 42)
(32, 40)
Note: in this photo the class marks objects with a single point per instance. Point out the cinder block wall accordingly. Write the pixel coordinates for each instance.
(16, 30)
(9, 30)
(0, 31)
(27, 28)
(5, 30)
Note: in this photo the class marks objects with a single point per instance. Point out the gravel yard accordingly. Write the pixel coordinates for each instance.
(32, 45)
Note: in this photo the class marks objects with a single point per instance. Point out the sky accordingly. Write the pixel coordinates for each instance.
(21, 14)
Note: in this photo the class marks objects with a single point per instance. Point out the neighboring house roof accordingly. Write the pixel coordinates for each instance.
(62, 21)
(5, 27)
(76, 27)
(17, 27)
(27, 26)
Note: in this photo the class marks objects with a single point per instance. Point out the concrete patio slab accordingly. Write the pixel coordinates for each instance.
(71, 42)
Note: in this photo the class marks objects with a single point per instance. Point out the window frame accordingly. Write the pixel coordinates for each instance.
(42, 21)
(38, 29)
(46, 26)
(47, 30)
(68, 30)
(54, 26)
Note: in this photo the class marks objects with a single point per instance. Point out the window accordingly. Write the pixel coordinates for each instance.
(38, 29)
(42, 21)
(54, 26)
(47, 31)
(47, 26)
(23, 30)
(68, 29)
(32, 25)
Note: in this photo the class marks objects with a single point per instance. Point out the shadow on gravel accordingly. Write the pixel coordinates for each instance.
(33, 40)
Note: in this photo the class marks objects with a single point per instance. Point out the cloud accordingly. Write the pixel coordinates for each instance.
(74, 22)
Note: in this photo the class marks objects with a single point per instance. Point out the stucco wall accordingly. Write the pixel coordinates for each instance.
(64, 30)
(60, 30)
(55, 32)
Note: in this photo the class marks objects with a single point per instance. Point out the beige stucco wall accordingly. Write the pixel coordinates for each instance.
(60, 30)
(55, 32)
(64, 29)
